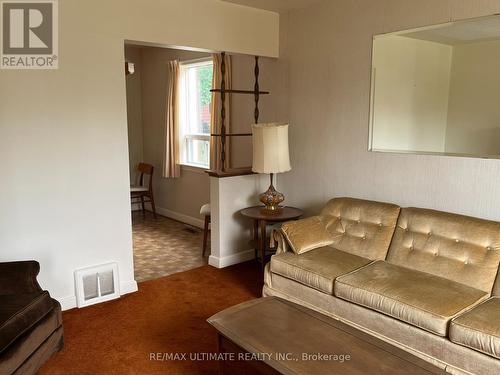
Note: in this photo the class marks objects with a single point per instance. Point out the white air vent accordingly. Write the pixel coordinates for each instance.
(97, 284)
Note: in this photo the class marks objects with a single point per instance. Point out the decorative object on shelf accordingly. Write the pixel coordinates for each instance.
(223, 90)
(270, 155)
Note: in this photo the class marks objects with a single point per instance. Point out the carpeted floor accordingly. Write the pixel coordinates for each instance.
(163, 246)
(166, 315)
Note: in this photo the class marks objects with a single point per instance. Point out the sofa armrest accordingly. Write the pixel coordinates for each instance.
(282, 245)
(19, 277)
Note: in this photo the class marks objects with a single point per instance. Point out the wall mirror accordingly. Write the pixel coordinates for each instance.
(437, 90)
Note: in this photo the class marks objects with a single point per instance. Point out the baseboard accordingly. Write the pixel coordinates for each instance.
(194, 221)
(126, 287)
(229, 260)
(180, 217)
(67, 302)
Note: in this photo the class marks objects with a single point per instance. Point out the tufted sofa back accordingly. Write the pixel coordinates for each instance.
(496, 287)
(361, 227)
(460, 248)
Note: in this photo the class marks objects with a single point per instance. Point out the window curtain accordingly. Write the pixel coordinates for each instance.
(215, 123)
(171, 154)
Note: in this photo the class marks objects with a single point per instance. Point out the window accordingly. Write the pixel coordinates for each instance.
(194, 117)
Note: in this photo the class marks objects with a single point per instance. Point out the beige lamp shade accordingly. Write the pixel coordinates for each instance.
(270, 148)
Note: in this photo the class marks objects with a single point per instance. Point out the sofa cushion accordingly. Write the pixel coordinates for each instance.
(19, 312)
(317, 268)
(479, 328)
(418, 298)
(460, 248)
(306, 234)
(360, 227)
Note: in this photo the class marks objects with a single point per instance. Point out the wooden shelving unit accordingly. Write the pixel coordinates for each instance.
(223, 91)
(240, 91)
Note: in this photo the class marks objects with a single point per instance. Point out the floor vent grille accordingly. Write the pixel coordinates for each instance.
(96, 284)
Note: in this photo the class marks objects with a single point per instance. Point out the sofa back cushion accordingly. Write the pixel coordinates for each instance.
(496, 287)
(460, 248)
(360, 227)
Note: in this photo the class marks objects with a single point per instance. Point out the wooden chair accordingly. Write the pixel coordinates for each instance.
(205, 211)
(141, 192)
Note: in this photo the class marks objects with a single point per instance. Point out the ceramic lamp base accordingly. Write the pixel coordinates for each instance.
(272, 198)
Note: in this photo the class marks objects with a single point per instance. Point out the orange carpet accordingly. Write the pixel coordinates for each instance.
(166, 315)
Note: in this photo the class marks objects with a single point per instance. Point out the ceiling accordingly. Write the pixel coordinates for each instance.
(468, 31)
(280, 6)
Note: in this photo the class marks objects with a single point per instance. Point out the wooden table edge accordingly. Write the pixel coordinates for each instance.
(426, 366)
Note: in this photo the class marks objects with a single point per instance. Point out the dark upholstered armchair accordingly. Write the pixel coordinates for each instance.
(30, 321)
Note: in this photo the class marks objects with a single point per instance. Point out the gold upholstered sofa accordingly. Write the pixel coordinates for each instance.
(423, 280)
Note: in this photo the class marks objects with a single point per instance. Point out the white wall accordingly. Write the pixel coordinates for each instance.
(411, 82)
(474, 110)
(329, 56)
(230, 231)
(63, 133)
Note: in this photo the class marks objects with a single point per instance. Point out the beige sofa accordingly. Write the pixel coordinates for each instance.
(423, 280)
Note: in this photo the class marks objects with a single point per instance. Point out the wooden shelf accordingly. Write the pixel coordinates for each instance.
(230, 173)
(231, 91)
(222, 133)
(232, 135)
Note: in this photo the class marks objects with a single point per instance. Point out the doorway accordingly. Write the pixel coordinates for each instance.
(171, 242)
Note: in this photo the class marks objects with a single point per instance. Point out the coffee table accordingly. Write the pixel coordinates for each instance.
(275, 336)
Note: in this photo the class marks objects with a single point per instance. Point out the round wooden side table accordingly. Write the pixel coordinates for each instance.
(261, 218)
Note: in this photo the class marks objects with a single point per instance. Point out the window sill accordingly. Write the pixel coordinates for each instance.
(193, 168)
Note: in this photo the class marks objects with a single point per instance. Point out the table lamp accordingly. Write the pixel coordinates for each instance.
(270, 155)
